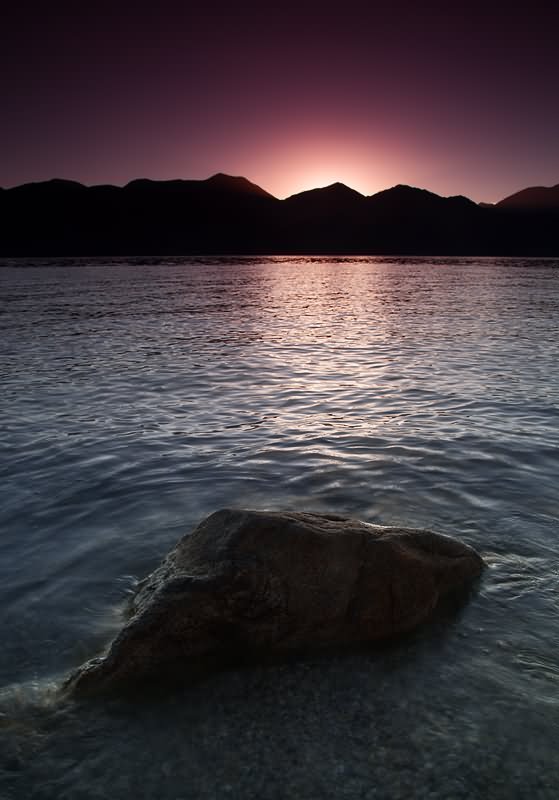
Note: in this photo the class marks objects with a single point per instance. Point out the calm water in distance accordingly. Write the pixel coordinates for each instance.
(139, 396)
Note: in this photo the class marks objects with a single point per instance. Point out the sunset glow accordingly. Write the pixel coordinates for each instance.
(291, 97)
(310, 173)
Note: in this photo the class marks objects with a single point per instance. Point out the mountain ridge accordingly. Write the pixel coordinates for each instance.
(239, 182)
(534, 197)
(230, 214)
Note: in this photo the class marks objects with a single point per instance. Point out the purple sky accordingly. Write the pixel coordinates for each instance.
(459, 100)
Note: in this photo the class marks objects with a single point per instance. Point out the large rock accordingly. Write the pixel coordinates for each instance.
(254, 582)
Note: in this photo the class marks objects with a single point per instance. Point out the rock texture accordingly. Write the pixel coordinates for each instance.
(254, 583)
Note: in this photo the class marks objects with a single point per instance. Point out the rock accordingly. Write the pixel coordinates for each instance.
(250, 583)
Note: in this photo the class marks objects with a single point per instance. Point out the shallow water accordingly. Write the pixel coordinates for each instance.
(139, 396)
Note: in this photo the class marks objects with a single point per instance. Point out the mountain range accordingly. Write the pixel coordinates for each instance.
(228, 215)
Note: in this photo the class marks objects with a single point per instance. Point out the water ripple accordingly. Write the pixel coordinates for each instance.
(139, 396)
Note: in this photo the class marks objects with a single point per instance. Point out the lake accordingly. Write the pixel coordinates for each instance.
(140, 395)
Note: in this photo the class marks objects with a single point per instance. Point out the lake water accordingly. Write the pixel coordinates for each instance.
(139, 395)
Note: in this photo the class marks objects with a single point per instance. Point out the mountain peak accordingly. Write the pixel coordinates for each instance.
(53, 184)
(150, 183)
(535, 198)
(227, 180)
(404, 188)
(334, 191)
(235, 183)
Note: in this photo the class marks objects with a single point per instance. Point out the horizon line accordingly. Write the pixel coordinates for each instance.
(258, 186)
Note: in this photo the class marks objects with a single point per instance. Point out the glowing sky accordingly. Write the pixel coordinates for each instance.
(453, 99)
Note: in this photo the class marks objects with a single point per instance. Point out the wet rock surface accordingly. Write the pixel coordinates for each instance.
(250, 584)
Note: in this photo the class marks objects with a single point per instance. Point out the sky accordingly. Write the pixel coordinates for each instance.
(455, 99)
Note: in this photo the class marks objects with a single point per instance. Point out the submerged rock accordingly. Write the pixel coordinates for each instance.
(260, 583)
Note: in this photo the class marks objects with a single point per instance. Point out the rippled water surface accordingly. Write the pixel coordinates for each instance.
(139, 396)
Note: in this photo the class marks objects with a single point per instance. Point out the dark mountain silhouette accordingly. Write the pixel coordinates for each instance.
(529, 219)
(226, 214)
(336, 196)
(414, 199)
(228, 183)
(413, 220)
(322, 220)
(536, 198)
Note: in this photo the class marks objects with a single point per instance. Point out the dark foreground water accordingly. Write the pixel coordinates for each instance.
(139, 396)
